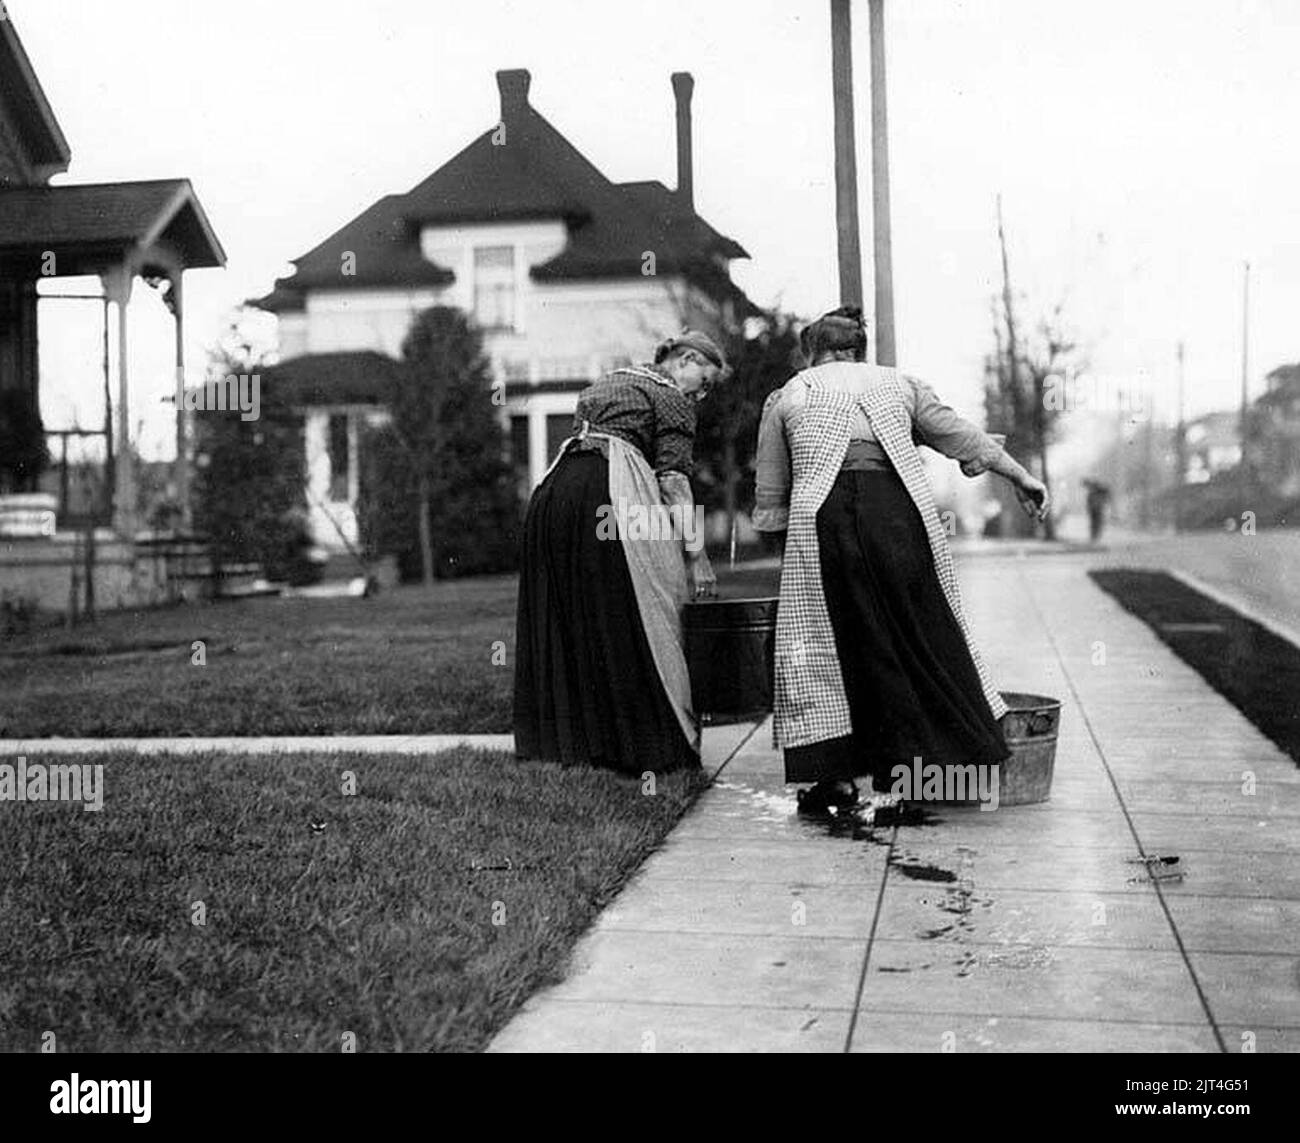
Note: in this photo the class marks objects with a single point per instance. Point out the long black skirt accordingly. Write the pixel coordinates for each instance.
(912, 687)
(586, 687)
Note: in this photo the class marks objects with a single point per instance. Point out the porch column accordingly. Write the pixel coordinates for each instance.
(537, 458)
(186, 522)
(117, 289)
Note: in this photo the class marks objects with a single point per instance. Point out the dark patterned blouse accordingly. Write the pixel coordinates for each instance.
(642, 406)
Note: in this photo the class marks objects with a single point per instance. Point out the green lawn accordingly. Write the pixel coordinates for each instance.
(416, 914)
(413, 660)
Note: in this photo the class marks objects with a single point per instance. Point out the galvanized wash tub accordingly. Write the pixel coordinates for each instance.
(730, 645)
(1030, 726)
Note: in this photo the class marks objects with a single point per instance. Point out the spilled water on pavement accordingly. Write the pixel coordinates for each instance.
(954, 914)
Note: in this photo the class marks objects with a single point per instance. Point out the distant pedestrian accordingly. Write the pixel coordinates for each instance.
(1097, 498)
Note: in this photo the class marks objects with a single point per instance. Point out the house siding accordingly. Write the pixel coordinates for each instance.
(568, 334)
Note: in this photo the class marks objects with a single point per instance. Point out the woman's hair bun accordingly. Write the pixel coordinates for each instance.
(841, 329)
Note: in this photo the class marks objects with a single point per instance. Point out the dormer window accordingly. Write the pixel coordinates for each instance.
(494, 287)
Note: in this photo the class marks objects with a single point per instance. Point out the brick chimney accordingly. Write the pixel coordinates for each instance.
(513, 85)
(683, 85)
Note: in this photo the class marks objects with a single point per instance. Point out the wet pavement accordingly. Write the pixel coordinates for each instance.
(1152, 905)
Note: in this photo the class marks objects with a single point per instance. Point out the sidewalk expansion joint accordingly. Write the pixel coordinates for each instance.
(754, 729)
(871, 940)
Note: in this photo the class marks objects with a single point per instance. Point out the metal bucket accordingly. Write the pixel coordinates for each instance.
(1030, 728)
(730, 647)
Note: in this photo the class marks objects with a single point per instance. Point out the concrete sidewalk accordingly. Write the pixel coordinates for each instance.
(719, 744)
(1033, 928)
(414, 744)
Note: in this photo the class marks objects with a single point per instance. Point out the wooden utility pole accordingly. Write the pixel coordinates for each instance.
(1009, 314)
(1020, 424)
(846, 166)
(884, 258)
(1148, 457)
(1180, 442)
(1245, 360)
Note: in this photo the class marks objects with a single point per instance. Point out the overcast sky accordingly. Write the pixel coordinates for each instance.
(1144, 148)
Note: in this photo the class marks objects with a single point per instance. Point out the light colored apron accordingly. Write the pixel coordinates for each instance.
(811, 705)
(658, 572)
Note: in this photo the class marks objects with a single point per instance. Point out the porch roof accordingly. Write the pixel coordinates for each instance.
(93, 225)
(360, 377)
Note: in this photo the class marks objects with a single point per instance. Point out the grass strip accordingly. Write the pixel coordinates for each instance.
(417, 913)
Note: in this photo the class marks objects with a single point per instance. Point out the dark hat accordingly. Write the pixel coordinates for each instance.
(694, 339)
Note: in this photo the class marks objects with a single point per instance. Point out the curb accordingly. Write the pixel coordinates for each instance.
(1245, 610)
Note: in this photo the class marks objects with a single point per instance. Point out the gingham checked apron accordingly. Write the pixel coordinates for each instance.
(811, 705)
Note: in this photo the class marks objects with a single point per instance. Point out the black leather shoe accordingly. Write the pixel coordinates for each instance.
(824, 796)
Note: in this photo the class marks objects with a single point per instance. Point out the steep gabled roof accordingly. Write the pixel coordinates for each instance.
(20, 92)
(386, 252)
(646, 218)
(661, 204)
(524, 168)
(521, 169)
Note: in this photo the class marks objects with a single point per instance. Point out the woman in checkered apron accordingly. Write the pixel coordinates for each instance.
(874, 662)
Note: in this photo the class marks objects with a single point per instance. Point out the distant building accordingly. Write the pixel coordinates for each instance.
(566, 272)
(1277, 431)
(1213, 446)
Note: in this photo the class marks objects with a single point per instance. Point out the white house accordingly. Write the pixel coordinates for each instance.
(565, 272)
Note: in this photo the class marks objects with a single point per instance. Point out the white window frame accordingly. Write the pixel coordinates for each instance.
(516, 323)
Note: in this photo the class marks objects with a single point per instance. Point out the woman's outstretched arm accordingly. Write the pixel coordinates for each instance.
(947, 431)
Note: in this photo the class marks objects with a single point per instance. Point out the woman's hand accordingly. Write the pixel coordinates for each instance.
(1033, 497)
(1030, 491)
(704, 584)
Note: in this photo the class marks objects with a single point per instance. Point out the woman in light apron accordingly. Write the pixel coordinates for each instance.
(874, 662)
(612, 549)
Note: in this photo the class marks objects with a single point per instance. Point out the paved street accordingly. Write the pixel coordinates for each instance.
(1028, 929)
